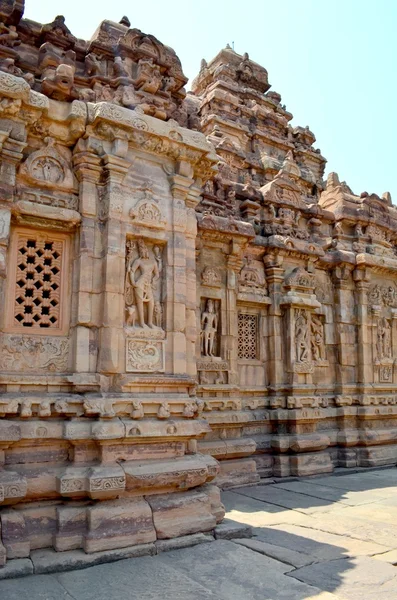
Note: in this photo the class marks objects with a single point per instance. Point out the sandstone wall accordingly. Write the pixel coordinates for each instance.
(185, 300)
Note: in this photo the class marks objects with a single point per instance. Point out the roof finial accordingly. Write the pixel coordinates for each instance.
(125, 21)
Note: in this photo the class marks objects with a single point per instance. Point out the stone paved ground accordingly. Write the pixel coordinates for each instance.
(314, 539)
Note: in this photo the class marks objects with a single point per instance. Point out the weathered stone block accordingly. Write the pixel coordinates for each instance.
(181, 514)
(119, 523)
(311, 464)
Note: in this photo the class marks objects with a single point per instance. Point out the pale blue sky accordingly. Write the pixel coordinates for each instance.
(333, 61)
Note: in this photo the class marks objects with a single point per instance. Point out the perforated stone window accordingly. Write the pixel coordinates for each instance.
(37, 296)
(247, 336)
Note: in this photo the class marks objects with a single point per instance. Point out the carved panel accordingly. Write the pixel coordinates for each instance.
(209, 321)
(147, 211)
(38, 282)
(49, 168)
(383, 340)
(144, 265)
(385, 295)
(211, 276)
(144, 356)
(29, 353)
(247, 336)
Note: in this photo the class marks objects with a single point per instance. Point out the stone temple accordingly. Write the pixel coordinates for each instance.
(186, 304)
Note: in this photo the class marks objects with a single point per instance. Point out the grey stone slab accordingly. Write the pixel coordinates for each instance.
(315, 490)
(244, 509)
(285, 555)
(49, 561)
(184, 541)
(18, 567)
(350, 525)
(233, 572)
(286, 499)
(319, 545)
(361, 482)
(389, 557)
(36, 587)
(229, 529)
(359, 578)
(144, 578)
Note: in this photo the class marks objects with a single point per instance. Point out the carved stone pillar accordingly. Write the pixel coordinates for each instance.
(181, 252)
(274, 276)
(393, 312)
(192, 200)
(234, 263)
(10, 157)
(87, 264)
(111, 337)
(364, 366)
(345, 330)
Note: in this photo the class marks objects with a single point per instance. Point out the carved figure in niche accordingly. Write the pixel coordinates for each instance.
(59, 85)
(317, 339)
(158, 314)
(131, 315)
(358, 231)
(338, 229)
(119, 68)
(219, 379)
(93, 64)
(390, 296)
(143, 275)
(8, 36)
(149, 76)
(210, 276)
(209, 328)
(250, 276)
(204, 380)
(157, 256)
(383, 344)
(47, 169)
(301, 337)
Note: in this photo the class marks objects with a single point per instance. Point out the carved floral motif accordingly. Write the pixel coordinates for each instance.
(144, 356)
(26, 353)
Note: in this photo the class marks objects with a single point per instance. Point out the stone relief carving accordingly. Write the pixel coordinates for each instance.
(48, 167)
(252, 279)
(209, 329)
(21, 352)
(323, 291)
(146, 210)
(383, 340)
(211, 276)
(142, 293)
(385, 373)
(385, 295)
(317, 339)
(302, 337)
(144, 356)
(300, 278)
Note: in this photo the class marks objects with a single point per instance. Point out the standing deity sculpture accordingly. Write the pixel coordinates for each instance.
(301, 338)
(317, 339)
(143, 274)
(383, 343)
(209, 328)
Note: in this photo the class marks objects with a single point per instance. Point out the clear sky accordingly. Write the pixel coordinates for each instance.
(333, 61)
